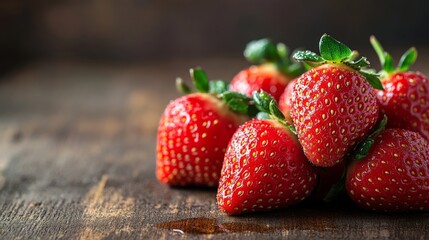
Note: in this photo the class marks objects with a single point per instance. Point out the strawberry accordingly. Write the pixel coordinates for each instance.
(285, 100)
(405, 99)
(194, 132)
(272, 72)
(334, 104)
(393, 175)
(264, 166)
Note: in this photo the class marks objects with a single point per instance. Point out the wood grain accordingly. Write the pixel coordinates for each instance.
(77, 159)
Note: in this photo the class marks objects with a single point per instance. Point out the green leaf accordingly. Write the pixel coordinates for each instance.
(262, 50)
(372, 78)
(182, 87)
(237, 105)
(282, 51)
(363, 149)
(361, 63)
(407, 59)
(388, 65)
(275, 111)
(268, 106)
(200, 79)
(296, 69)
(337, 189)
(217, 86)
(309, 58)
(333, 50)
(378, 49)
(262, 100)
(353, 55)
(252, 110)
(237, 102)
(292, 70)
(291, 127)
(227, 95)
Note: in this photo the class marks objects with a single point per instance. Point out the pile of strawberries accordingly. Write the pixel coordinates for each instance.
(307, 127)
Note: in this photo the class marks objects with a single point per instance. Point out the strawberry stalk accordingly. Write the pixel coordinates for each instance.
(386, 61)
(237, 102)
(334, 52)
(269, 109)
(266, 51)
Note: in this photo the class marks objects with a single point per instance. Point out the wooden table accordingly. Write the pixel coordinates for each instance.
(77, 159)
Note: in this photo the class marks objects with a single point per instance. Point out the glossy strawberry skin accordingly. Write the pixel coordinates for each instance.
(193, 134)
(264, 169)
(394, 176)
(263, 77)
(405, 101)
(285, 103)
(333, 108)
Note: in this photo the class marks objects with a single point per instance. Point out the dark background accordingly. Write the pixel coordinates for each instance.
(149, 30)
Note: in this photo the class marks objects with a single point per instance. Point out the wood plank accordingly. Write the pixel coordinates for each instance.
(77, 159)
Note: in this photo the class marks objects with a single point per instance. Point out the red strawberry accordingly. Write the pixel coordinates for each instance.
(264, 77)
(405, 99)
(394, 176)
(333, 104)
(273, 72)
(285, 102)
(194, 132)
(264, 166)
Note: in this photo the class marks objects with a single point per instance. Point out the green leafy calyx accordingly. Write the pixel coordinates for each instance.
(266, 51)
(386, 61)
(332, 49)
(269, 109)
(200, 79)
(237, 102)
(335, 52)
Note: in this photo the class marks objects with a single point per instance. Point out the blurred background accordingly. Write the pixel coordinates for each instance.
(147, 30)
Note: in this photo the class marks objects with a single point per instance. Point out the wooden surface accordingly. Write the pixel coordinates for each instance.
(77, 159)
